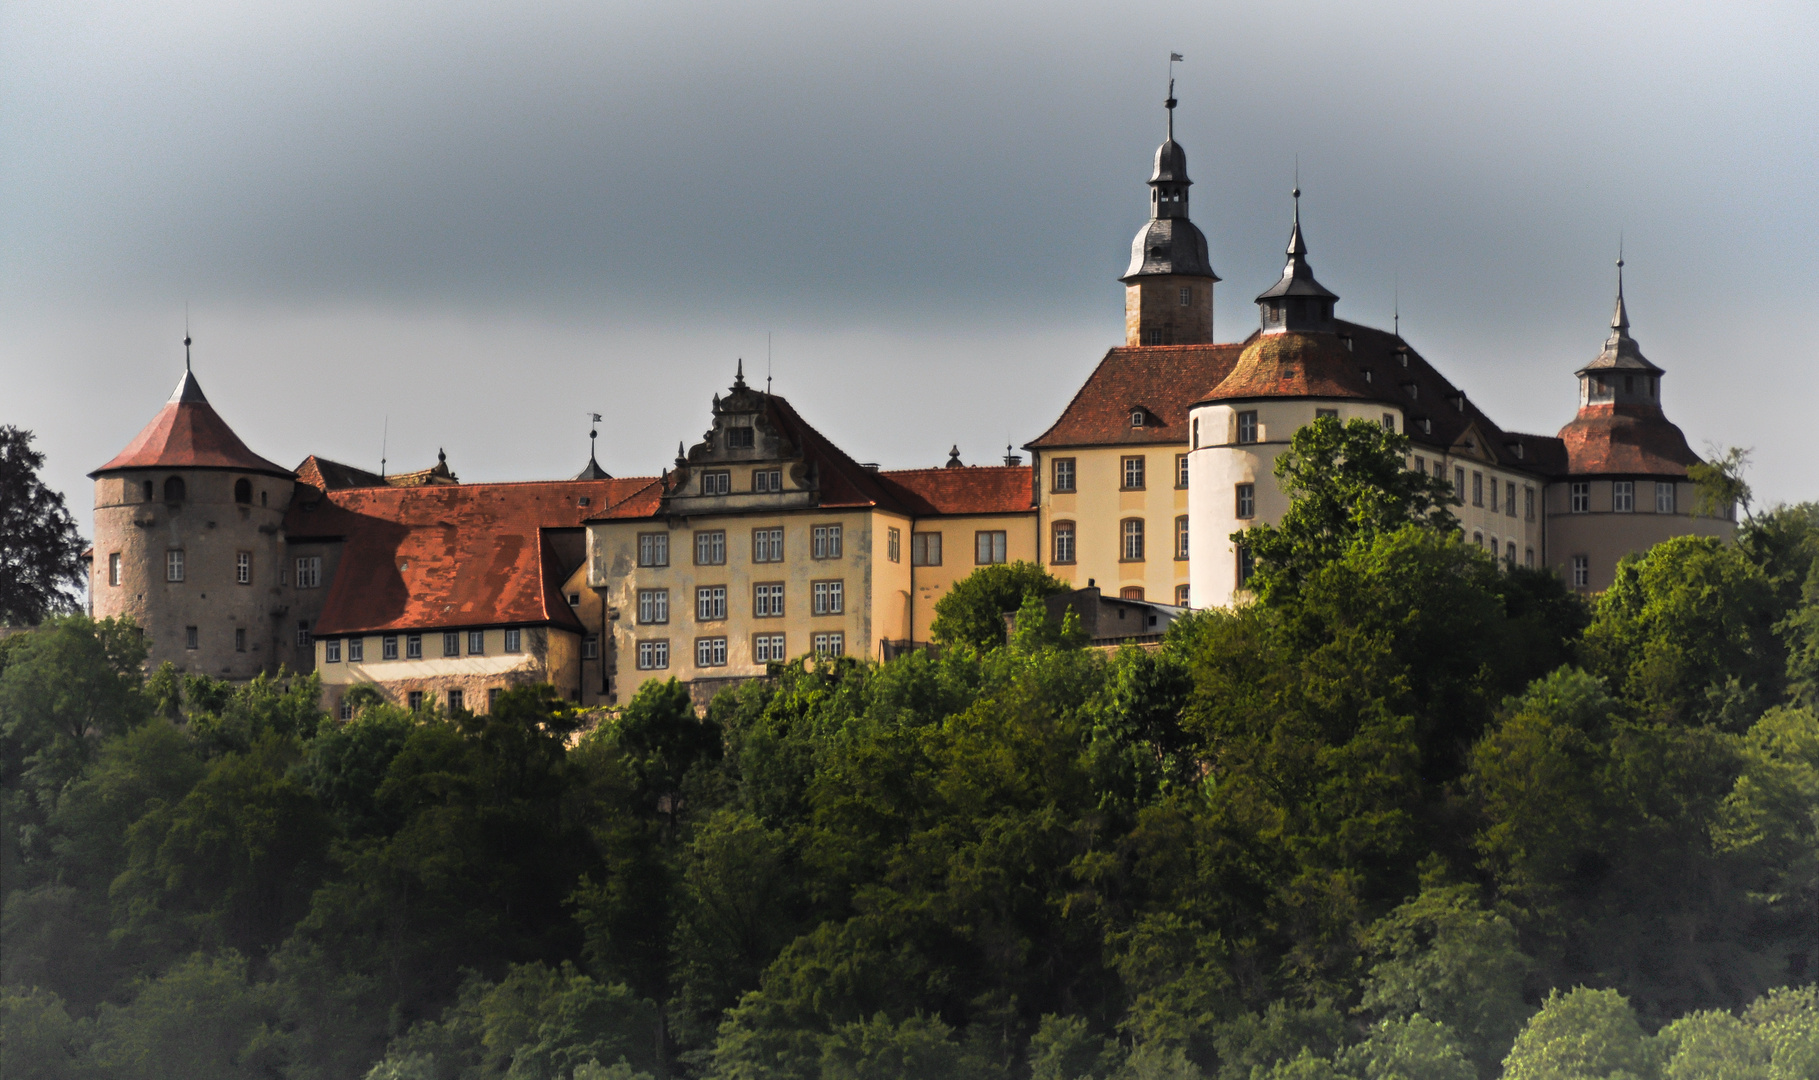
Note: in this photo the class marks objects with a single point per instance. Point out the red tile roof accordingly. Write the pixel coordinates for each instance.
(447, 556)
(1625, 440)
(1295, 365)
(326, 475)
(1163, 380)
(990, 489)
(188, 434)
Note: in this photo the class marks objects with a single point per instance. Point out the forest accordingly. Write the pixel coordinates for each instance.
(1409, 814)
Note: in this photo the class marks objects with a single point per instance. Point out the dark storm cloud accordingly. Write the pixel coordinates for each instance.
(887, 185)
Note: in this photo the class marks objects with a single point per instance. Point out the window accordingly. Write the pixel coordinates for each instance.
(768, 649)
(415, 700)
(1623, 496)
(309, 572)
(1478, 541)
(456, 701)
(830, 645)
(767, 545)
(304, 640)
(174, 490)
(1459, 486)
(173, 564)
(243, 491)
(925, 549)
(827, 541)
(388, 647)
(1389, 421)
(740, 438)
(830, 597)
(1509, 498)
(1196, 443)
(893, 544)
(113, 569)
(1420, 464)
(1247, 501)
(1326, 414)
(989, 547)
(653, 549)
(347, 710)
(1477, 488)
(590, 647)
(710, 548)
(1136, 417)
(331, 651)
(514, 640)
(1181, 537)
(1582, 571)
(653, 655)
(243, 568)
(767, 600)
(653, 605)
(1187, 296)
(1181, 470)
(1132, 532)
(710, 603)
(767, 480)
(574, 599)
(710, 652)
(717, 483)
(148, 491)
(356, 650)
(1061, 545)
(1247, 565)
(476, 643)
(239, 639)
(1064, 474)
(1131, 592)
(1664, 500)
(1509, 554)
(1133, 474)
(1181, 594)
(1528, 557)
(1493, 494)
(451, 643)
(1247, 427)
(1153, 336)
(1581, 497)
(413, 646)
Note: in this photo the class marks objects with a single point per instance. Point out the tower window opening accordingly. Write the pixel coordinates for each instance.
(1187, 296)
(243, 491)
(174, 490)
(147, 487)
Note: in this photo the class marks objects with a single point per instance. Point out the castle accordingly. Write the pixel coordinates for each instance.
(764, 541)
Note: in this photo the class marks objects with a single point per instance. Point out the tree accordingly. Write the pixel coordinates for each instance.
(1345, 482)
(972, 613)
(40, 550)
(1720, 484)
(1582, 1035)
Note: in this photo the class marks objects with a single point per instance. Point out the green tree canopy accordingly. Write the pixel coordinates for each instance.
(972, 613)
(40, 550)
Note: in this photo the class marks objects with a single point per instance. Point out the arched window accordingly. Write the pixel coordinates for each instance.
(243, 490)
(173, 489)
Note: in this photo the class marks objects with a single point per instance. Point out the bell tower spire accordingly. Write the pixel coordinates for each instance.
(1297, 303)
(1168, 295)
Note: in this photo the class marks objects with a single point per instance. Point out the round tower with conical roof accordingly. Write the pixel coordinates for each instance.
(1168, 287)
(189, 541)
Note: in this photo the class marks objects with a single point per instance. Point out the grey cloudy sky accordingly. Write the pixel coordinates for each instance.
(467, 224)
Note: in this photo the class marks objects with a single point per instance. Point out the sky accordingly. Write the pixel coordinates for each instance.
(397, 228)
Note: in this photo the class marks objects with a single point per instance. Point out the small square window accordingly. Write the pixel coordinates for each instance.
(716, 483)
(990, 547)
(514, 640)
(1326, 414)
(574, 599)
(1136, 417)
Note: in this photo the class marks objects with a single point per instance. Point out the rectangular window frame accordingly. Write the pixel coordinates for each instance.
(457, 701)
(1131, 472)
(331, 651)
(451, 643)
(1582, 571)
(827, 541)
(653, 549)
(1244, 501)
(925, 549)
(113, 569)
(767, 481)
(413, 646)
(767, 544)
(653, 654)
(239, 639)
(769, 648)
(590, 647)
(1063, 476)
(309, 572)
(514, 640)
(828, 596)
(716, 482)
(476, 643)
(1247, 427)
(243, 568)
(1181, 537)
(1061, 543)
(1623, 496)
(1509, 502)
(767, 600)
(356, 650)
(1666, 497)
(990, 547)
(1131, 542)
(1180, 472)
(173, 565)
(710, 603)
(653, 607)
(304, 638)
(710, 547)
(1579, 497)
(710, 652)
(831, 643)
(1477, 488)
(893, 544)
(388, 647)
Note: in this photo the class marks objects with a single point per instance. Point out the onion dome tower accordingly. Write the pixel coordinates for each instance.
(1168, 288)
(189, 542)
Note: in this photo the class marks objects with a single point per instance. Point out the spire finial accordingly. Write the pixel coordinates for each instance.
(739, 375)
(1173, 59)
(1620, 318)
(186, 366)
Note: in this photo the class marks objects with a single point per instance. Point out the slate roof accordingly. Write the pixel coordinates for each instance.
(989, 489)
(188, 434)
(1164, 380)
(449, 555)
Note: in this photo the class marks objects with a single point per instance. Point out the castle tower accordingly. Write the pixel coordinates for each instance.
(1168, 289)
(189, 541)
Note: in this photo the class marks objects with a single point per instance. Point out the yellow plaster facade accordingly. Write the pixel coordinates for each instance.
(1098, 507)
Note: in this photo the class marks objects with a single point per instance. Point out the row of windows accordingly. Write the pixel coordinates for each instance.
(1623, 497)
(1484, 494)
(720, 482)
(417, 699)
(1132, 472)
(654, 653)
(1509, 550)
(413, 645)
(175, 491)
(1130, 540)
(826, 598)
(825, 542)
(176, 568)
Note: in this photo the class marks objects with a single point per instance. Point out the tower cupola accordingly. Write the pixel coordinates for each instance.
(1620, 374)
(1168, 297)
(1297, 303)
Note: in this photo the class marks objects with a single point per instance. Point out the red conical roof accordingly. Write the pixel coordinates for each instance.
(188, 434)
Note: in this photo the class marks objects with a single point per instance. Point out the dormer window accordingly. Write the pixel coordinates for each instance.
(1136, 417)
(739, 438)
